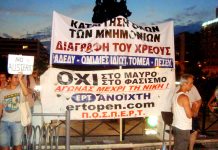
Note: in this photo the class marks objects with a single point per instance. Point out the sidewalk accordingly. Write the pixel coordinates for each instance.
(208, 140)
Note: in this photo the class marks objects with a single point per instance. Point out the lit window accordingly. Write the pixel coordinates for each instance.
(25, 46)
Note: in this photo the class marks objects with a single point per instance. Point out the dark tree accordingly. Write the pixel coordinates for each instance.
(107, 9)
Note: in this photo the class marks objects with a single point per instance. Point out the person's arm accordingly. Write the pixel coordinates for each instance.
(1, 110)
(23, 87)
(197, 100)
(1, 106)
(197, 106)
(183, 100)
(209, 104)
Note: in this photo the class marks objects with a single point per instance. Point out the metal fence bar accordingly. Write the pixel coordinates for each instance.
(67, 130)
(45, 133)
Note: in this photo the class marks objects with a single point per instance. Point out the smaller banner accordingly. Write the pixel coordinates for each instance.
(20, 64)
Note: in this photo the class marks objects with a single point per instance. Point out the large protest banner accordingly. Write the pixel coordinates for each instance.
(109, 94)
(115, 42)
(121, 93)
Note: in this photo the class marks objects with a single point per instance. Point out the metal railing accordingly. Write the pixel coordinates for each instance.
(45, 136)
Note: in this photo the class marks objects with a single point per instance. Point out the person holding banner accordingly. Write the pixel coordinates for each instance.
(11, 130)
(183, 113)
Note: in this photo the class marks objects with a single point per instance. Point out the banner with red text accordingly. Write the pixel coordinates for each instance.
(116, 42)
(106, 94)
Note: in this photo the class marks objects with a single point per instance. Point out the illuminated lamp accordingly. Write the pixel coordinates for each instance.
(152, 121)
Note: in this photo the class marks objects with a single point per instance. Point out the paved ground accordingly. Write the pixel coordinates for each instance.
(205, 141)
(208, 137)
(138, 142)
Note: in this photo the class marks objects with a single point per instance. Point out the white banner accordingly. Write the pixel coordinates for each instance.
(107, 94)
(117, 42)
(20, 64)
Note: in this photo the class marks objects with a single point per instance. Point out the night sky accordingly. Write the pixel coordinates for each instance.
(20, 17)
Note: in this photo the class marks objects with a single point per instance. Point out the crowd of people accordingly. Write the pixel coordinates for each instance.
(11, 86)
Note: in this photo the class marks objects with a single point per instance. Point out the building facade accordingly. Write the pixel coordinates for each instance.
(28, 47)
(197, 53)
(187, 45)
(209, 46)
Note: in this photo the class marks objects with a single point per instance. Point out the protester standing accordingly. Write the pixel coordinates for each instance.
(3, 80)
(183, 113)
(194, 97)
(11, 129)
(213, 102)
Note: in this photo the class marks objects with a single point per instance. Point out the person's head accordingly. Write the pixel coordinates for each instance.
(13, 78)
(186, 81)
(35, 73)
(3, 77)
